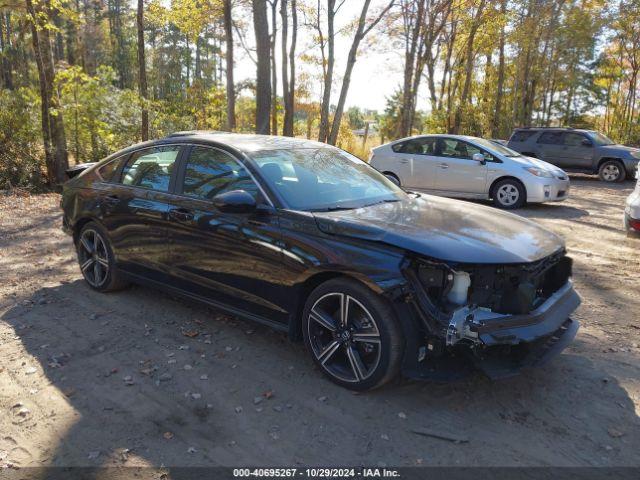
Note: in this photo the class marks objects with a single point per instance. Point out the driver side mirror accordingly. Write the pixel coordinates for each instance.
(586, 143)
(235, 201)
(479, 157)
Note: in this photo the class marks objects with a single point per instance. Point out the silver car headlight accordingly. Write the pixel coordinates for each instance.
(635, 154)
(538, 172)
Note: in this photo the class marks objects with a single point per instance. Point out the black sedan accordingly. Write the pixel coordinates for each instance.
(310, 240)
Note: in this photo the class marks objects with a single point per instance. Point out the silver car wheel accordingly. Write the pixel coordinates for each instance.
(344, 337)
(93, 257)
(508, 194)
(611, 173)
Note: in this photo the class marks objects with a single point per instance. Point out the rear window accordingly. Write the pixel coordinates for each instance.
(107, 172)
(551, 138)
(397, 147)
(522, 135)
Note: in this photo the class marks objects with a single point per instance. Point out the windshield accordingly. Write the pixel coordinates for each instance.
(496, 147)
(601, 139)
(324, 179)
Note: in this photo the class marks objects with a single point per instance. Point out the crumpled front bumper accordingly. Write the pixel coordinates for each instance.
(508, 344)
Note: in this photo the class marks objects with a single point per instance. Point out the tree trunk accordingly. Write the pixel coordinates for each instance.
(497, 108)
(7, 68)
(274, 71)
(457, 121)
(361, 32)
(55, 143)
(328, 71)
(263, 77)
(288, 85)
(231, 89)
(142, 72)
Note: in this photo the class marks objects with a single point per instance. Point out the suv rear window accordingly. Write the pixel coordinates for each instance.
(108, 170)
(522, 135)
(551, 138)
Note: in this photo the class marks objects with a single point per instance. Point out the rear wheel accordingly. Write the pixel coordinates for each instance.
(393, 177)
(509, 194)
(612, 171)
(96, 259)
(352, 334)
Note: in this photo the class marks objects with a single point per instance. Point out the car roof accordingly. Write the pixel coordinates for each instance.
(443, 135)
(246, 142)
(553, 129)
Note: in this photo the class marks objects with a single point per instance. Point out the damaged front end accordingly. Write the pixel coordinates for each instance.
(497, 318)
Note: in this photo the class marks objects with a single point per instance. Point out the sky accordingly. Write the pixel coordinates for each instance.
(378, 66)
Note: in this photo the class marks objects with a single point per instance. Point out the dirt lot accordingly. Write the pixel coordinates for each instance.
(93, 379)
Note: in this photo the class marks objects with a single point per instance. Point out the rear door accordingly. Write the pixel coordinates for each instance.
(135, 210)
(234, 259)
(418, 163)
(457, 172)
(550, 147)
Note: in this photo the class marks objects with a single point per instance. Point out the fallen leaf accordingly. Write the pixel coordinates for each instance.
(167, 435)
(190, 333)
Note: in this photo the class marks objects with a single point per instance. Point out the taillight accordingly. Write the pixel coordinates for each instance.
(635, 224)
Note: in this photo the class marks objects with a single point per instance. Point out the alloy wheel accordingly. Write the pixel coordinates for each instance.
(508, 194)
(344, 337)
(94, 257)
(611, 172)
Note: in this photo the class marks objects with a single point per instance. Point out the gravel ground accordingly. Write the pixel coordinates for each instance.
(136, 378)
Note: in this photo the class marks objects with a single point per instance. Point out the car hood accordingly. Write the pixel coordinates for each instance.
(621, 148)
(449, 230)
(526, 162)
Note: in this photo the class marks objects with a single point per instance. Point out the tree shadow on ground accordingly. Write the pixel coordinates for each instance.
(129, 384)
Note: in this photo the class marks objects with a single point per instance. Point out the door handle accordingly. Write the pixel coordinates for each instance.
(404, 160)
(111, 199)
(181, 214)
(444, 166)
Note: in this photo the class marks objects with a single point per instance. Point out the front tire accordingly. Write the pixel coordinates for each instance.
(509, 194)
(352, 334)
(96, 259)
(612, 171)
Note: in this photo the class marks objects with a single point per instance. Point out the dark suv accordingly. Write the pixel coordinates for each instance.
(576, 150)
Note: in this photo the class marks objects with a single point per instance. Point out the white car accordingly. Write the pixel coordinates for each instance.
(470, 167)
(632, 210)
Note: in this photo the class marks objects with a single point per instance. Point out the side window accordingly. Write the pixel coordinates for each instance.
(209, 171)
(573, 139)
(449, 147)
(420, 146)
(108, 170)
(551, 138)
(398, 147)
(522, 135)
(151, 168)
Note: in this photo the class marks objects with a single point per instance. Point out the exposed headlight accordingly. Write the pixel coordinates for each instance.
(635, 154)
(538, 172)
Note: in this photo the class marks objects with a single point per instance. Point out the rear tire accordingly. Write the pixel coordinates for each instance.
(393, 177)
(612, 171)
(508, 194)
(360, 349)
(96, 259)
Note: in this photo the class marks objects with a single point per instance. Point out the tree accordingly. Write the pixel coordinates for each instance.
(55, 142)
(362, 30)
(231, 93)
(142, 72)
(288, 74)
(263, 54)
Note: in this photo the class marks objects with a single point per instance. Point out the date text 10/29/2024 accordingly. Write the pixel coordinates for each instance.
(362, 472)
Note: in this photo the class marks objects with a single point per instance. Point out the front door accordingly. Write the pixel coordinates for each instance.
(457, 172)
(577, 151)
(233, 259)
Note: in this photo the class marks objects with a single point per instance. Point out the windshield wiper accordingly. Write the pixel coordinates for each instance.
(333, 208)
(388, 200)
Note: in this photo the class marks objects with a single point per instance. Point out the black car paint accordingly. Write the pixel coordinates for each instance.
(262, 264)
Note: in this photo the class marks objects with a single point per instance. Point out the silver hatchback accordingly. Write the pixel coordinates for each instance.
(470, 167)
